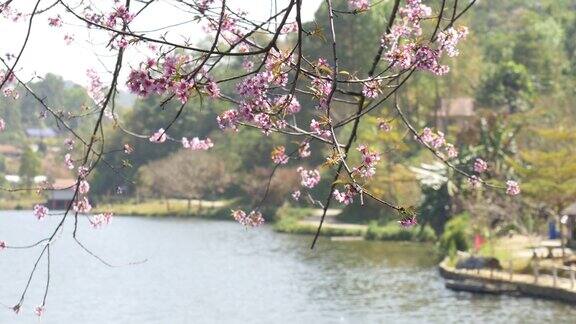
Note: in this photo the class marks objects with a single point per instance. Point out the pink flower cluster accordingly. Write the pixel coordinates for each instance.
(228, 119)
(480, 166)
(308, 178)
(100, 220)
(383, 125)
(196, 144)
(82, 205)
(372, 89)
(369, 160)
(68, 161)
(437, 142)
(55, 21)
(96, 87)
(449, 38)
(316, 128)
(9, 87)
(119, 16)
(408, 222)
(401, 45)
(159, 136)
(39, 310)
(253, 219)
(173, 74)
(279, 156)
(512, 188)
(296, 195)
(2, 245)
(475, 182)
(304, 150)
(345, 197)
(40, 211)
(83, 187)
(358, 5)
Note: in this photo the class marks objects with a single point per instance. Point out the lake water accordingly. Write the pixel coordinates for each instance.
(201, 271)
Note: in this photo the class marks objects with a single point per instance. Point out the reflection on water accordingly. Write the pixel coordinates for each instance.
(217, 272)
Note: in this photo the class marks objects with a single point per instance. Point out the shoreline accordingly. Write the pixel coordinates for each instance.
(504, 282)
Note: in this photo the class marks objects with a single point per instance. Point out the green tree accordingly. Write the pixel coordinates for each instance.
(549, 170)
(508, 85)
(29, 165)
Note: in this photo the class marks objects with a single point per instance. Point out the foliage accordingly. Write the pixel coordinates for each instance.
(393, 232)
(457, 234)
(29, 165)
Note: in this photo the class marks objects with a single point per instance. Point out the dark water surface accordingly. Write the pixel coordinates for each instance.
(202, 271)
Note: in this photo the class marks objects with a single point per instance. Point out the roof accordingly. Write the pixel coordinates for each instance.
(9, 149)
(63, 183)
(456, 107)
(40, 132)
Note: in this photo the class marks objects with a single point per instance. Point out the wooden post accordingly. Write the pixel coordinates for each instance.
(510, 269)
(572, 276)
(554, 276)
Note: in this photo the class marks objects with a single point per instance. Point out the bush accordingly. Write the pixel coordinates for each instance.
(456, 236)
(393, 232)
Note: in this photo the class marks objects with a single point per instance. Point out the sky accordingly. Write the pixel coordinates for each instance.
(47, 51)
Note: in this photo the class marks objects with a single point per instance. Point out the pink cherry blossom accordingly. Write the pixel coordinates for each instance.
(68, 161)
(100, 220)
(253, 219)
(158, 137)
(480, 165)
(296, 195)
(304, 150)
(451, 150)
(68, 39)
(383, 125)
(55, 21)
(2, 125)
(358, 5)
(83, 187)
(39, 310)
(70, 143)
(82, 205)
(372, 89)
(345, 197)
(196, 144)
(369, 161)
(279, 156)
(83, 171)
(309, 178)
(475, 182)
(40, 211)
(512, 188)
(449, 38)
(228, 119)
(408, 222)
(2, 245)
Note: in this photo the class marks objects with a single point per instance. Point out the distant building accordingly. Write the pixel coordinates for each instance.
(459, 111)
(40, 132)
(10, 151)
(62, 193)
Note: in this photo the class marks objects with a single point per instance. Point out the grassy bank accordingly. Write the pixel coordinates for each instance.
(169, 208)
(294, 226)
(21, 203)
(293, 221)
